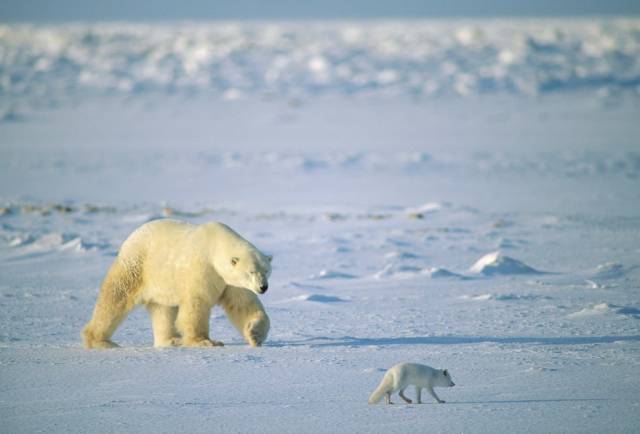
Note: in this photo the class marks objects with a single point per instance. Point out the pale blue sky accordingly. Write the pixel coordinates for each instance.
(72, 10)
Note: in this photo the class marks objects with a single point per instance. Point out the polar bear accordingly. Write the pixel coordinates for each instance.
(179, 271)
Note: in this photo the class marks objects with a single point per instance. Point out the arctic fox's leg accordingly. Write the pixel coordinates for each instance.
(405, 399)
(193, 323)
(418, 394)
(163, 320)
(384, 389)
(432, 393)
(387, 398)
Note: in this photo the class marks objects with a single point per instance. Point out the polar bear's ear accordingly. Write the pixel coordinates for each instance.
(269, 258)
(234, 261)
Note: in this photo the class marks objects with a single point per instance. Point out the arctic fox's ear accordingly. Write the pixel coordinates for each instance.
(269, 258)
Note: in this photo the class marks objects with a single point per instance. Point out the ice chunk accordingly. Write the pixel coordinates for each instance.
(605, 309)
(496, 263)
(441, 273)
(609, 270)
(320, 298)
(331, 274)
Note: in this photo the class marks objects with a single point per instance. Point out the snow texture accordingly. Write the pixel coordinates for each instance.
(376, 161)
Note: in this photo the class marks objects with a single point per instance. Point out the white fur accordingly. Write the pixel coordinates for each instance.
(398, 377)
(179, 271)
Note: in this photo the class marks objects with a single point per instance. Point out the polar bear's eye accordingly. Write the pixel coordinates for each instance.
(234, 261)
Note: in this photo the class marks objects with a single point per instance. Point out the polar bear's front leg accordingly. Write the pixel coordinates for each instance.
(256, 330)
(246, 313)
(163, 320)
(193, 323)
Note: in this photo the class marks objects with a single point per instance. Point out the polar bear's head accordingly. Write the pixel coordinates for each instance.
(246, 268)
(237, 261)
(250, 271)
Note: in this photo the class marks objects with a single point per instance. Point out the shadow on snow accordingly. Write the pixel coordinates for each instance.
(349, 341)
(528, 401)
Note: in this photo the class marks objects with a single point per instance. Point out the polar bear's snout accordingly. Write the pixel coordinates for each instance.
(257, 282)
(262, 284)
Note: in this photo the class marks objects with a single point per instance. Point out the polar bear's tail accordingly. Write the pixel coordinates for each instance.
(386, 385)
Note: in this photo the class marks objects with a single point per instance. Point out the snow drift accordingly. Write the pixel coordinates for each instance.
(498, 264)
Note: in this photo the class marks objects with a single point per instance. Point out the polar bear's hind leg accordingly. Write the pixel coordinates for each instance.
(193, 323)
(163, 320)
(115, 300)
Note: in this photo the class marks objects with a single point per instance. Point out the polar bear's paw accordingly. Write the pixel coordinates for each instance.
(171, 342)
(255, 338)
(201, 342)
(256, 331)
(97, 342)
(103, 345)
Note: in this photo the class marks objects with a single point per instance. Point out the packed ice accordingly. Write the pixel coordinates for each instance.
(237, 60)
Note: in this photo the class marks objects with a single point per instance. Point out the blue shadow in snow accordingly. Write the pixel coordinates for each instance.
(529, 401)
(351, 341)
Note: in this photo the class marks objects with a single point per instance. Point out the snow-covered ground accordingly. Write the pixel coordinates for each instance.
(494, 231)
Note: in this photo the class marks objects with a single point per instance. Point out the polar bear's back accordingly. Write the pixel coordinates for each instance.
(157, 233)
(160, 238)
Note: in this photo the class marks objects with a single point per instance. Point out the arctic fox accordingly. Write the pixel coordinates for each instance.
(402, 375)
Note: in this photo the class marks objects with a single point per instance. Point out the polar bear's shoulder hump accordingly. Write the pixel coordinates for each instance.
(220, 229)
(163, 225)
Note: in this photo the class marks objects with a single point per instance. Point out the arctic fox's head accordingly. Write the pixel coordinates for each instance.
(444, 379)
(247, 269)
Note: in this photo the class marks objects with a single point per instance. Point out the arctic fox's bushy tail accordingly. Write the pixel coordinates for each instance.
(385, 386)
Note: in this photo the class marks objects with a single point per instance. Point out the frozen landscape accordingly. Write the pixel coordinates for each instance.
(463, 194)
